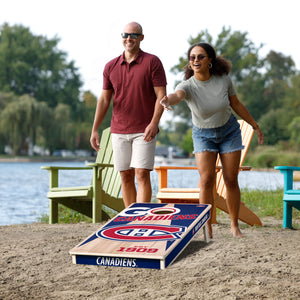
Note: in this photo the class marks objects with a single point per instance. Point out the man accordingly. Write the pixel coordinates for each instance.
(137, 82)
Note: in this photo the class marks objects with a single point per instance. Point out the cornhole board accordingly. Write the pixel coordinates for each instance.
(144, 235)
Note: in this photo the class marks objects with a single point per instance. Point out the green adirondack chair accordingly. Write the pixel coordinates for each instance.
(89, 200)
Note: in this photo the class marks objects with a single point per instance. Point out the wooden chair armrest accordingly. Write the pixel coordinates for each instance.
(163, 173)
(245, 168)
(160, 168)
(286, 168)
(157, 168)
(287, 172)
(54, 171)
(100, 165)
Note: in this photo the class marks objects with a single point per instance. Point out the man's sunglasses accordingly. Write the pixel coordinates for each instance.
(199, 57)
(132, 35)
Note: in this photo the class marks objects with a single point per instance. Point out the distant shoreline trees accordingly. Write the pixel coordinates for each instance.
(40, 95)
(41, 101)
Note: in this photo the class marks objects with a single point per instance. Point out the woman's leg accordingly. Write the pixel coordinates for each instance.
(206, 163)
(230, 164)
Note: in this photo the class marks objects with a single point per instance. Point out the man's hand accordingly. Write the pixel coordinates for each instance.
(94, 140)
(150, 133)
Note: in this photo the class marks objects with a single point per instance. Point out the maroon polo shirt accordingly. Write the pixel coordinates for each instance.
(134, 96)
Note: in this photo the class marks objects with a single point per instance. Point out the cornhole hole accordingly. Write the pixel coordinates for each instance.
(144, 235)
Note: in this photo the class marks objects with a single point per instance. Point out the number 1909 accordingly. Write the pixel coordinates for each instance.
(138, 249)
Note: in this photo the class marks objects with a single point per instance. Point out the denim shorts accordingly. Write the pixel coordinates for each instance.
(224, 139)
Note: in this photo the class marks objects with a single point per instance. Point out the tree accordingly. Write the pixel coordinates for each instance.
(19, 121)
(294, 128)
(274, 126)
(34, 65)
(187, 142)
(291, 100)
(278, 66)
(279, 69)
(63, 130)
(250, 92)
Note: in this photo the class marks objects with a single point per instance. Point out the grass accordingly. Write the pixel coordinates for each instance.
(66, 215)
(263, 203)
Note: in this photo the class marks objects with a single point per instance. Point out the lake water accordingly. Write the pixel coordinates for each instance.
(24, 186)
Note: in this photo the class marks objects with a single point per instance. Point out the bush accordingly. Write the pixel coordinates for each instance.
(268, 157)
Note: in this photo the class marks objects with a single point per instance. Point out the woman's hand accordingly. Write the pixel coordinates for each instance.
(260, 136)
(165, 103)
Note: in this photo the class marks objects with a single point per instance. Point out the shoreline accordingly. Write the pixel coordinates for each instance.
(177, 161)
(20, 159)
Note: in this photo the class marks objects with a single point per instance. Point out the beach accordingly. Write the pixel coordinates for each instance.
(36, 264)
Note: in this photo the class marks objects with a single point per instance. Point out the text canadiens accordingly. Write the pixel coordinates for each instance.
(116, 262)
(156, 218)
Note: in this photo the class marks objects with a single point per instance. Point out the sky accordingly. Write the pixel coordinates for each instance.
(90, 30)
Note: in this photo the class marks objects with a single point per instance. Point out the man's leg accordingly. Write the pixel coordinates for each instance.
(143, 162)
(128, 187)
(122, 149)
(144, 185)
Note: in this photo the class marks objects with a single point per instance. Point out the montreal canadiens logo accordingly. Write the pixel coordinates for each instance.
(141, 233)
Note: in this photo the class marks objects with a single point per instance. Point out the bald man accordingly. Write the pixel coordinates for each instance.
(136, 81)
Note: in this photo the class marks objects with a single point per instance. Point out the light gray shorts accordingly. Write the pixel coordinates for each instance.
(132, 151)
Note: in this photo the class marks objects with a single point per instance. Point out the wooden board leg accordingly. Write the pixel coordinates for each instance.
(205, 232)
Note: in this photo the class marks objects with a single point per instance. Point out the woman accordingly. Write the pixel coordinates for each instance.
(210, 95)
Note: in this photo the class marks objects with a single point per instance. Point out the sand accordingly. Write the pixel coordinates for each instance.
(35, 264)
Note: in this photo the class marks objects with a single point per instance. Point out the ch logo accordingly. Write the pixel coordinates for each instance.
(142, 233)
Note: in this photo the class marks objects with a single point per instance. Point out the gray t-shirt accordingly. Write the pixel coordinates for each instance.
(208, 100)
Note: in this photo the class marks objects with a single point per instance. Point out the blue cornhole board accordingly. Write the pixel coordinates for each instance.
(144, 235)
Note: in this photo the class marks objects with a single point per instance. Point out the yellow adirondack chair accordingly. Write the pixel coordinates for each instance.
(88, 200)
(191, 195)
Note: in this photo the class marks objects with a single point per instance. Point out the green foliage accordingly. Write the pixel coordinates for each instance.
(41, 101)
(19, 121)
(40, 95)
(274, 125)
(236, 47)
(250, 91)
(294, 129)
(34, 65)
(270, 156)
(187, 142)
(66, 215)
(264, 203)
(291, 101)
(278, 66)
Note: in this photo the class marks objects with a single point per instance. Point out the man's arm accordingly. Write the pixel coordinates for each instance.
(101, 110)
(152, 129)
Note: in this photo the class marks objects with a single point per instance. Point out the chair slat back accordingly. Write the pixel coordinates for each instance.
(111, 180)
